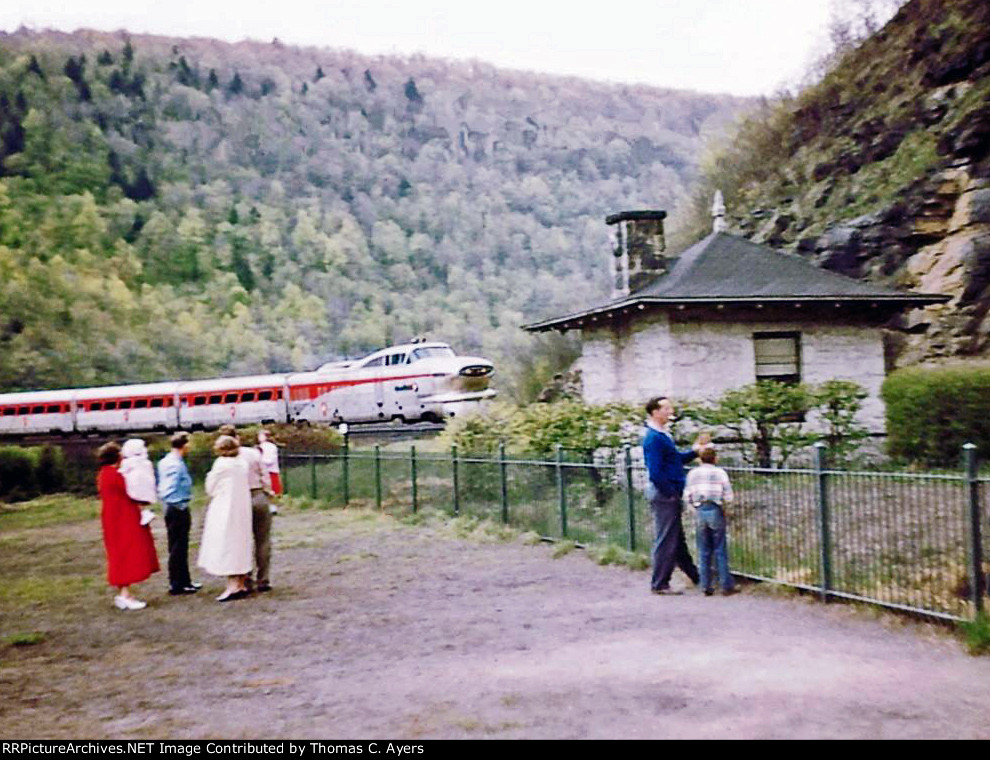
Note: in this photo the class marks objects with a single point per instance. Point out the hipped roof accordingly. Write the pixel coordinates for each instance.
(724, 268)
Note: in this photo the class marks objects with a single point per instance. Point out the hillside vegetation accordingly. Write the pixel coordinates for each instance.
(183, 208)
(881, 170)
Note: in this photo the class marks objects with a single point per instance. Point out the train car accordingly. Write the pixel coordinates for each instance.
(410, 382)
(149, 406)
(39, 412)
(206, 404)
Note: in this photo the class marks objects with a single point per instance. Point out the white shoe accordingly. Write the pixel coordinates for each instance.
(147, 516)
(273, 509)
(128, 603)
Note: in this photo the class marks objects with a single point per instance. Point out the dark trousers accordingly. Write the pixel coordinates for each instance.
(177, 523)
(670, 548)
(261, 522)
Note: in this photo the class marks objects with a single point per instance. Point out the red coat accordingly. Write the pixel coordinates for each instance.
(131, 556)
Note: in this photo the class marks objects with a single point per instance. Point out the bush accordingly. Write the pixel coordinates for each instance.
(933, 411)
(50, 471)
(17, 474)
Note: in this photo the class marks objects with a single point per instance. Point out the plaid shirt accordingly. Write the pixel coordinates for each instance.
(707, 483)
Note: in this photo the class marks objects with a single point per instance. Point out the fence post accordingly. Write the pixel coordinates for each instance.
(824, 521)
(976, 578)
(378, 476)
(457, 494)
(312, 476)
(561, 491)
(630, 498)
(503, 472)
(346, 472)
(412, 476)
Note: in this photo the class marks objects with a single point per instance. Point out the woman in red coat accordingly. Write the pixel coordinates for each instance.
(131, 556)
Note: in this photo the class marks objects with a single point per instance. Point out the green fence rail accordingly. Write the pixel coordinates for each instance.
(907, 541)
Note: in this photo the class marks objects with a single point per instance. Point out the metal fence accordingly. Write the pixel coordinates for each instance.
(907, 541)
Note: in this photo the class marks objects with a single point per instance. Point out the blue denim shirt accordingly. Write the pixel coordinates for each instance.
(174, 481)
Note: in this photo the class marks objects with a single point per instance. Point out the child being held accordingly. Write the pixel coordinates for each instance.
(139, 477)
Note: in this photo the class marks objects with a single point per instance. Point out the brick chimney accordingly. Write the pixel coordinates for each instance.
(638, 255)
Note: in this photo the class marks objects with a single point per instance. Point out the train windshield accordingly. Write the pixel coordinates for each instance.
(430, 352)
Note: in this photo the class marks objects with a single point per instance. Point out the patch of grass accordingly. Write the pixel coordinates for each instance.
(33, 589)
(610, 554)
(563, 548)
(531, 538)
(463, 526)
(977, 634)
(47, 510)
(353, 557)
(26, 639)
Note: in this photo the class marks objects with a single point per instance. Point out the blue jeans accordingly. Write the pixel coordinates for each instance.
(712, 539)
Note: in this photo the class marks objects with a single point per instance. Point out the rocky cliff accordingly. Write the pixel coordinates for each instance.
(882, 171)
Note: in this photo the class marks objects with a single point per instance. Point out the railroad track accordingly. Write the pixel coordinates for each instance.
(388, 430)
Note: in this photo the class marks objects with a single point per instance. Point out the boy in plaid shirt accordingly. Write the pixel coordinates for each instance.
(708, 490)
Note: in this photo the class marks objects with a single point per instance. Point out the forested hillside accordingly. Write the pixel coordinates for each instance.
(881, 170)
(181, 208)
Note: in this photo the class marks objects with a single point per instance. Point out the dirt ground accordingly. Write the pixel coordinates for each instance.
(379, 629)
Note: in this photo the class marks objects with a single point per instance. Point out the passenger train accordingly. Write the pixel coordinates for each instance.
(411, 382)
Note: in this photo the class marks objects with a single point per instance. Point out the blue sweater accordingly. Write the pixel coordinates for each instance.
(665, 462)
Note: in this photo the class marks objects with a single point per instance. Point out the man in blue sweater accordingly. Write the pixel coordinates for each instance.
(665, 464)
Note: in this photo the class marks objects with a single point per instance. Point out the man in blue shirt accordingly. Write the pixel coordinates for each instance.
(665, 465)
(175, 491)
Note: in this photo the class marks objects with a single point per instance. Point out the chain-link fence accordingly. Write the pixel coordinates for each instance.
(902, 540)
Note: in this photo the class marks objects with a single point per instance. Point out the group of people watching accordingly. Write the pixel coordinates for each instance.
(236, 540)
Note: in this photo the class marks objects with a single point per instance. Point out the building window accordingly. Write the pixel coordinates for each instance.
(778, 356)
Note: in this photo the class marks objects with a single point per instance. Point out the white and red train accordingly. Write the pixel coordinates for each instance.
(410, 382)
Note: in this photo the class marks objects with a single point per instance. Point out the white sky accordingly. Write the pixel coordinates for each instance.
(744, 47)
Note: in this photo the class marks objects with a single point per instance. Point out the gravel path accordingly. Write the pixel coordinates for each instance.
(380, 629)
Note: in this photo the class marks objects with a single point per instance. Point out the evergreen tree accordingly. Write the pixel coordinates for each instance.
(236, 86)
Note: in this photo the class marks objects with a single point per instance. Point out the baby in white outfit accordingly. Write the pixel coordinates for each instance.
(139, 476)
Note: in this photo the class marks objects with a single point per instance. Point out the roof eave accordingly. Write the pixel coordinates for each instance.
(915, 300)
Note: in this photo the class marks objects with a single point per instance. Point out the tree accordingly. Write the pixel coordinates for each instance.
(765, 415)
(838, 402)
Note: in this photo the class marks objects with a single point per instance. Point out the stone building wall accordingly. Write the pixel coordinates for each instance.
(700, 360)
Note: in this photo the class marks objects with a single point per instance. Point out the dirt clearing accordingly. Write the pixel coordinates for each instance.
(378, 629)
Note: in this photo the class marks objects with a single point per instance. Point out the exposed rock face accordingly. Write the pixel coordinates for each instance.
(901, 132)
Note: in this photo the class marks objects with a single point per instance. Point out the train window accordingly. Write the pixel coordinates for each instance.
(199, 400)
(157, 403)
(379, 362)
(54, 408)
(110, 405)
(125, 404)
(95, 406)
(141, 403)
(247, 396)
(264, 396)
(37, 409)
(278, 394)
(430, 352)
(9, 411)
(24, 410)
(230, 398)
(394, 359)
(215, 399)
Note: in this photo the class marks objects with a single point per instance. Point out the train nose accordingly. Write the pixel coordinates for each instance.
(476, 370)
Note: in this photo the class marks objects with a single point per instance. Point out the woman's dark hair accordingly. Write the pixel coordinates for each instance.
(108, 453)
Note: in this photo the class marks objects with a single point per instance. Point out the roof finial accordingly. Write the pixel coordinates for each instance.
(718, 213)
